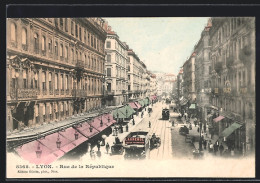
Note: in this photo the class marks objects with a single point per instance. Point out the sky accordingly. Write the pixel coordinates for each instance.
(163, 44)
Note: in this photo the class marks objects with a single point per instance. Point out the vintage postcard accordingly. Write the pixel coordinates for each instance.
(130, 97)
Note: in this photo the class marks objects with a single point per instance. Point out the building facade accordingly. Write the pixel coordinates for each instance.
(137, 79)
(55, 68)
(116, 69)
(233, 78)
(202, 79)
(189, 79)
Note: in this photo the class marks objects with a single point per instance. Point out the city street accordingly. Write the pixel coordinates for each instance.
(173, 145)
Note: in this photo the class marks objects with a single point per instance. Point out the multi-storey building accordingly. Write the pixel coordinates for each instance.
(55, 68)
(116, 69)
(202, 65)
(152, 84)
(233, 79)
(189, 79)
(136, 76)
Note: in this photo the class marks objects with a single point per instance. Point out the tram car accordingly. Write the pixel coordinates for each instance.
(165, 114)
(136, 145)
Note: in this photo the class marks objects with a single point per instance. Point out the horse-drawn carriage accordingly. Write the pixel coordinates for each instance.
(117, 148)
(155, 142)
(184, 130)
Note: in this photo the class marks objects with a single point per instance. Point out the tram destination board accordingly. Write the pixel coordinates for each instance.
(134, 140)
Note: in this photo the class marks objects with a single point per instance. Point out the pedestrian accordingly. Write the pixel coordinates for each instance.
(172, 123)
(215, 148)
(221, 149)
(205, 144)
(198, 130)
(107, 147)
(190, 127)
(149, 124)
(88, 147)
(204, 128)
(126, 128)
(98, 145)
(92, 154)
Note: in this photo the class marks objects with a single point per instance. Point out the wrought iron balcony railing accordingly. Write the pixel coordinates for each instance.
(23, 93)
(79, 93)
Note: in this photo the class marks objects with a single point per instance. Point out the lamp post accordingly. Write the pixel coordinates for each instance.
(126, 112)
(76, 134)
(117, 115)
(58, 142)
(101, 122)
(38, 151)
(200, 142)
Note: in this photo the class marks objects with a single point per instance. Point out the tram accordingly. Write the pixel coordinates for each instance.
(165, 114)
(136, 145)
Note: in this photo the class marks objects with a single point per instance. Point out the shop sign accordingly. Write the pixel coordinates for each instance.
(134, 140)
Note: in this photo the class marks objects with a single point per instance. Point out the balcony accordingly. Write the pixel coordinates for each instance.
(44, 92)
(25, 47)
(57, 91)
(109, 92)
(80, 64)
(62, 91)
(50, 92)
(123, 91)
(67, 91)
(79, 93)
(23, 93)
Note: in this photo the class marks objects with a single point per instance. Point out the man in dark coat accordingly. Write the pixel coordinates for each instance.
(215, 147)
(221, 149)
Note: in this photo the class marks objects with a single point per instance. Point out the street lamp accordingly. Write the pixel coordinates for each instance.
(101, 122)
(200, 143)
(126, 112)
(38, 151)
(58, 142)
(117, 115)
(76, 134)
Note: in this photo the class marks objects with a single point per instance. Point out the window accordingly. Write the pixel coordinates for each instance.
(108, 72)
(36, 43)
(62, 82)
(50, 81)
(108, 44)
(72, 28)
(51, 107)
(50, 46)
(44, 112)
(43, 43)
(94, 42)
(80, 34)
(85, 36)
(88, 39)
(108, 86)
(44, 81)
(66, 24)
(56, 81)
(66, 52)
(91, 41)
(36, 110)
(61, 23)
(13, 32)
(72, 55)
(66, 82)
(61, 50)
(36, 79)
(56, 48)
(24, 36)
(25, 72)
(76, 29)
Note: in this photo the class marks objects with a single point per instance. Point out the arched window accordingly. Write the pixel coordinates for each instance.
(24, 36)
(61, 23)
(56, 81)
(36, 43)
(13, 32)
(85, 60)
(77, 56)
(80, 56)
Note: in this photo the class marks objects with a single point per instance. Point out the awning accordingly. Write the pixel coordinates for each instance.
(85, 130)
(192, 106)
(138, 105)
(107, 120)
(218, 118)
(132, 104)
(228, 131)
(47, 147)
(121, 112)
(146, 101)
(141, 102)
